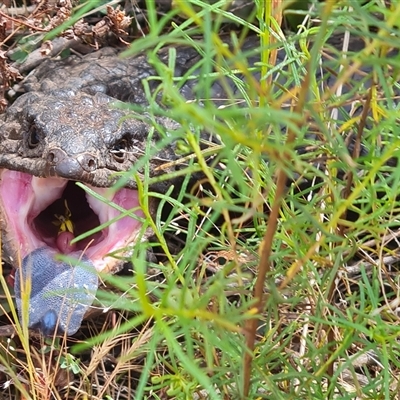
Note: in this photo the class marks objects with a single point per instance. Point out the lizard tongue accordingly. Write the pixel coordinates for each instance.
(60, 293)
(63, 242)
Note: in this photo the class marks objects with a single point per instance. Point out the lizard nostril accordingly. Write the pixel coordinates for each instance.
(88, 162)
(54, 156)
(50, 157)
(65, 165)
(92, 164)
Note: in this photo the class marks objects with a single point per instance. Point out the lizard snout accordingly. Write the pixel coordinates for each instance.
(59, 163)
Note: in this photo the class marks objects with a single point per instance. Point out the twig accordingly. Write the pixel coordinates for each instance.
(18, 10)
(36, 57)
(264, 265)
(20, 22)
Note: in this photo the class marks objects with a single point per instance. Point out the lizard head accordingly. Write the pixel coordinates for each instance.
(48, 143)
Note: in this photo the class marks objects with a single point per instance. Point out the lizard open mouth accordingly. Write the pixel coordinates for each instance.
(40, 217)
(38, 210)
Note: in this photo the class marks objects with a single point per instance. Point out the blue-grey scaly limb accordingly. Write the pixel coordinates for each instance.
(61, 293)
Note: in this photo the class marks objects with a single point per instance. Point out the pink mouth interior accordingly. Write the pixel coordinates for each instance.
(32, 206)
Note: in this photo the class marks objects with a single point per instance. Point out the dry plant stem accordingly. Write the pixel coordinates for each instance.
(264, 265)
(263, 269)
(36, 57)
(18, 10)
(20, 22)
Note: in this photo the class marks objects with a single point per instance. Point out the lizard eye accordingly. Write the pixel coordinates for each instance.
(119, 150)
(33, 137)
